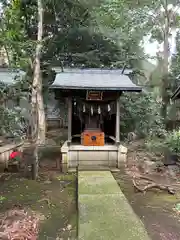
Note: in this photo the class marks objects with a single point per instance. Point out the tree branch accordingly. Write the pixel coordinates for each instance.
(152, 185)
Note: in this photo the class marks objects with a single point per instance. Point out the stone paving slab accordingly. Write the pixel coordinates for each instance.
(104, 212)
(97, 182)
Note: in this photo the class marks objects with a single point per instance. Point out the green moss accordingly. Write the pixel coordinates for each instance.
(163, 198)
(104, 211)
(55, 203)
(70, 179)
(92, 183)
(48, 152)
(66, 177)
(110, 218)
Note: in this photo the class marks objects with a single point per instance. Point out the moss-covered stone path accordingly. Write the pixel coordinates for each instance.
(104, 212)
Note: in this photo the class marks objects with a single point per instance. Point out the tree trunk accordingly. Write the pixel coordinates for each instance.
(37, 124)
(41, 117)
(40, 102)
(165, 95)
(34, 128)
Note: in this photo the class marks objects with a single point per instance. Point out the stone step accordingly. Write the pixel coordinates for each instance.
(93, 168)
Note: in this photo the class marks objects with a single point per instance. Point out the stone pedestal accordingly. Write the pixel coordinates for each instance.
(64, 152)
(86, 157)
(122, 156)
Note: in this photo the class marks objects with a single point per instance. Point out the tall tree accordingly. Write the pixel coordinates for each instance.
(160, 19)
(11, 40)
(19, 44)
(38, 134)
(116, 22)
(37, 80)
(175, 63)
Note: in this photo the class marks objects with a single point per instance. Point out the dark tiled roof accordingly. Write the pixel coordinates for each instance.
(8, 76)
(94, 79)
(176, 94)
(92, 70)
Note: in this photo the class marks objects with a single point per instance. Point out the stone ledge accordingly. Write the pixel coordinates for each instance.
(6, 150)
(123, 149)
(65, 147)
(93, 148)
(7, 147)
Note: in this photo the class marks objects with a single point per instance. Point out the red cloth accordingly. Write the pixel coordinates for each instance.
(15, 154)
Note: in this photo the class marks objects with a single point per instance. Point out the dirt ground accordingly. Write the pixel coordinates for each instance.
(155, 208)
(51, 198)
(49, 202)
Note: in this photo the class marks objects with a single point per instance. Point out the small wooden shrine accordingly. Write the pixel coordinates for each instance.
(93, 98)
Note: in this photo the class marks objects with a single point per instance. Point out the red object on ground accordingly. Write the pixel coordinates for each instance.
(15, 154)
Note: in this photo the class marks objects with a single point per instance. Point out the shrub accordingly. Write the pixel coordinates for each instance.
(172, 141)
(140, 113)
(155, 145)
(12, 122)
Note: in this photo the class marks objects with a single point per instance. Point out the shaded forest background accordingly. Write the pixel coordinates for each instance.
(106, 34)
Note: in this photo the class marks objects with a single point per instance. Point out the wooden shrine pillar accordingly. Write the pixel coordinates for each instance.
(69, 119)
(118, 120)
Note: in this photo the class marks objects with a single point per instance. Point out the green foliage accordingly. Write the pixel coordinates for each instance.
(175, 70)
(172, 141)
(74, 32)
(115, 20)
(91, 33)
(11, 122)
(141, 114)
(155, 145)
(177, 207)
(2, 199)
(70, 36)
(13, 36)
(19, 50)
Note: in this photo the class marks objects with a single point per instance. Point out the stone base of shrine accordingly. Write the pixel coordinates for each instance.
(87, 157)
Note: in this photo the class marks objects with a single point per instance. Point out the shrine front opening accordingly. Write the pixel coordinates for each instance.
(93, 98)
(93, 119)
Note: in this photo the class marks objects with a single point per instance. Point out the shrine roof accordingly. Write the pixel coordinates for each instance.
(95, 79)
(176, 94)
(9, 76)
